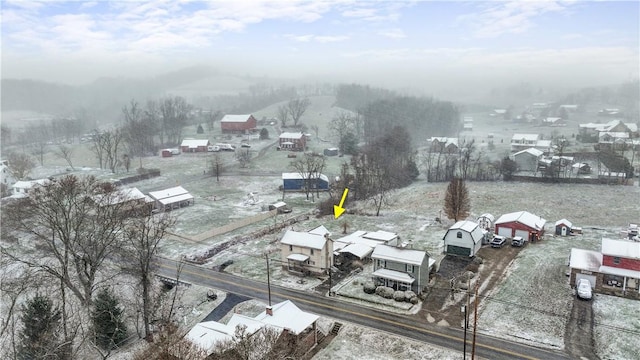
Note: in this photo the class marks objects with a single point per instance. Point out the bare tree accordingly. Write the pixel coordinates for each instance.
(456, 201)
(316, 130)
(246, 345)
(217, 166)
(66, 153)
(283, 115)
(244, 157)
(144, 234)
(309, 167)
(107, 146)
(20, 164)
(297, 108)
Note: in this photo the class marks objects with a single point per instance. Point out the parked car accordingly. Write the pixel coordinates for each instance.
(583, 289)
(517, 241)
(245, 145)
(498, 241)
(213, 148)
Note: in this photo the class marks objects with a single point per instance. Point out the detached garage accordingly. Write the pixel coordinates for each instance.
(464, 238)
(522, 223)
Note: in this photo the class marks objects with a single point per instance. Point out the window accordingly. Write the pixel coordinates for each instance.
(616, 260)
(459, 235)
(290, 247)
(381, 263)
(408, 268)
(311, 251)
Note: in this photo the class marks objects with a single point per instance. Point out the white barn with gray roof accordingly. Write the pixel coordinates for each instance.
(464, 238)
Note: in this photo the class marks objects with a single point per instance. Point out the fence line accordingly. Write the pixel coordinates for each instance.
(234, 225)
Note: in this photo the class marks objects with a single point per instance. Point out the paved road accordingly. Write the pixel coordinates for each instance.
(403, 325)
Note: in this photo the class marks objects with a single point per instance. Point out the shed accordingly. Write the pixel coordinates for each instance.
(485, 221)
(194, 145)
(464, 238)
(172, 198)
(296, 181)
(165, 153)
(522, 223)
(563, 227)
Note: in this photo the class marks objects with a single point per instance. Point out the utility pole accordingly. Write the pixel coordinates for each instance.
(475, 321)
(464, 346)
(268, 278)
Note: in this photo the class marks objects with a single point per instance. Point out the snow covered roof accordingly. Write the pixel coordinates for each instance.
(402, 255)
(393, 275)
(194, 143)
(235, 118)
(320, 230)
(291, 135)
(564, 222)
(167, 193)
(288, 316)
(380, 235)
(533, 151)
(621, 248)
(527, 137)
(303, 239)
(359, 250)
(620, 271)
(298, 176)
(175, 199)
(20, 184)
(488, 216)
(298, 257)
(122, 196)
(465, 225)
(523, 217)
(585, 260)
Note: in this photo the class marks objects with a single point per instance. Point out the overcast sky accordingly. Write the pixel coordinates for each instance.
(581, 42)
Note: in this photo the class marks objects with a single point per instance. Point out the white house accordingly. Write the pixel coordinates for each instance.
(6, 177)
(307, 252)
(22, 188)
(464, 238)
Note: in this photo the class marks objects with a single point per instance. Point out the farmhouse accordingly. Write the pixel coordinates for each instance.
(292, 141)
(527, 160)
(464, 238)
(401, 268)
(172, 198)
(563, 227)
(285, 318)
(6, 177)
(615, 270)
(194, 145)
(522, 223)
(297, 181)
(589, 132)
(22, 188)
(129, 200)
(307, 252)
(443, 145)
(524, 141)
(238, 124)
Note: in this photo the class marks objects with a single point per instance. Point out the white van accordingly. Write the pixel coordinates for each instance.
(213, 148)
(225, 147)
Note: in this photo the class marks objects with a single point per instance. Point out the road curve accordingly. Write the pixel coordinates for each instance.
(403, 325)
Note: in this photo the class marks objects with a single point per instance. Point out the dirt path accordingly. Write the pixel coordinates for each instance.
(443, 308)
(578, 337)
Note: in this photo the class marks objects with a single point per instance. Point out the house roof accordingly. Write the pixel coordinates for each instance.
(194, 143)
(320, 230)
(402, 255)
(298, 257)
(380, 235)
(235, 118)
(21, 184)
(621, 248)
(444, 140)
(298, 176)
(532, 151)
(393, 275)
(528, 137)
(291, 135)
(303, 239)
(585, 260)
(488, 216)
(565, 222)
(288, 316)
(464, 225)
(175, 199)
(620, 271)
(359, 250)
(167, 193)
(523, 217)
(121, 196)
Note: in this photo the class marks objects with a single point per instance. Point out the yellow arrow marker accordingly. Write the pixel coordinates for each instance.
(338, 209)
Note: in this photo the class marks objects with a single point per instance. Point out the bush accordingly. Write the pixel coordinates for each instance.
(398, 295)
(408, 295)
(385, 292)
(369, 287)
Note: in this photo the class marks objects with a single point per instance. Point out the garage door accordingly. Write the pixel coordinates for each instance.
(458, 250)
(591, 278)
(506, 232)
(523, 233)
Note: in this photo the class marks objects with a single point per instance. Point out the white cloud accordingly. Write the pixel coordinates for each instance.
(328, 39)
(393, 33)
(316, 38)
(513, 17)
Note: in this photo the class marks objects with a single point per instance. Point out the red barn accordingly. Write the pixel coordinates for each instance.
(530, 227)
(238, 123)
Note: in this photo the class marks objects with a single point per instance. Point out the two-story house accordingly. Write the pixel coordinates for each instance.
(401, 268)
(615, 270)
(292, 141)
(307, 252)
(524, 141)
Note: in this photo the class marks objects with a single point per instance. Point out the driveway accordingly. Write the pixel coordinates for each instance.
(578, 336)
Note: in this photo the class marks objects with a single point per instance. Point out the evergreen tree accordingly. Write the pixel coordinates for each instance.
(456, 200)
(264, 134)
(200, 130)
(38, 338)
(107, 320)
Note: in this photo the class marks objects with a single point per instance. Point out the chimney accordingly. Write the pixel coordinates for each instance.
(269, 311)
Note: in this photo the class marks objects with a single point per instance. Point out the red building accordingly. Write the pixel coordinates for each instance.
(292, 141)
(238, 124)
(522, 223)
(194, 145)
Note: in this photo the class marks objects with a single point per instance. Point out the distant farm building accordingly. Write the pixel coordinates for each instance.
(194, 145)
(443, 145)
(522, 223)
(300, 182)
(563, 227)
(172, 198)
(527, 159)
(238, 124)
(524, 141)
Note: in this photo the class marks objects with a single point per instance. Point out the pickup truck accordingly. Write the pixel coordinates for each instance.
(498, 241)
(517, 241)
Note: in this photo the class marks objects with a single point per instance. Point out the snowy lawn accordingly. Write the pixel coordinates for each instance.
(617, 327)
